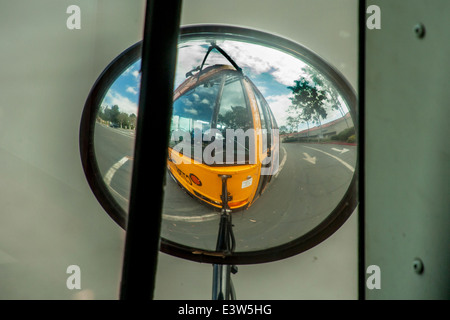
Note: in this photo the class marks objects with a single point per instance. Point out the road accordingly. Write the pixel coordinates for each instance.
(311, 181)
(112, 147)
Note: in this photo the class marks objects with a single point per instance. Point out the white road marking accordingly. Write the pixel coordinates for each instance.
(206, 217)
(309, 158)
(334, 157)
(116, 166)
(112, 171)
(339, 150)
(110, 174)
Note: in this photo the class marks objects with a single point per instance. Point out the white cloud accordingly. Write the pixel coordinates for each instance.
(188, 58)
(187, 102)
(191, 111)
(263, 89)
(279, 105)
(132, 90)
(136, 74)
(256, 59)
(249, 56)
(125, 105)
(259, 59)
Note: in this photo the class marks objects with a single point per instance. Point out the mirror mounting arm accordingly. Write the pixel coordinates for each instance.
(225, 239)
(223, 288)
(214, 46)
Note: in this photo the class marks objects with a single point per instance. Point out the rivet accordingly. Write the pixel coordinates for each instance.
(418, 266)
(419, 30)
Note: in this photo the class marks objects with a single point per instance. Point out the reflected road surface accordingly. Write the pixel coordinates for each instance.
(311, 181)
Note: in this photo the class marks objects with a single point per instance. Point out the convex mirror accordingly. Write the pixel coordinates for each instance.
(259, 115)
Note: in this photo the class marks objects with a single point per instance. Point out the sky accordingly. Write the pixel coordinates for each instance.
(124, 92)
(271, 70)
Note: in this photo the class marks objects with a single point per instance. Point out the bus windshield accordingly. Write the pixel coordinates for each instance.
(206, 119)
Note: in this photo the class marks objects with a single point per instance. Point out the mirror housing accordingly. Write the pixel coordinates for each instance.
(260, 236)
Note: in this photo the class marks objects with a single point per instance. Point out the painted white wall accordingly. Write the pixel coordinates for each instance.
(49, 217)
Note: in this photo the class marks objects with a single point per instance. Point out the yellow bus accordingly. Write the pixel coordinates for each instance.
(222, 127)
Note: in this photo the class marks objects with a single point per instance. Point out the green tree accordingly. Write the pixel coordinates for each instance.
(292, 123)
(123, 120)
(284, 129)
(133, 120)
(114, 113)
(309, 98)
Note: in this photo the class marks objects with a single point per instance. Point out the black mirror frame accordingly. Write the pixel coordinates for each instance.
(87, 127)
(312, 238)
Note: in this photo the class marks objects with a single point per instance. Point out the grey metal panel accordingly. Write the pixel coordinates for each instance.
(407, 150)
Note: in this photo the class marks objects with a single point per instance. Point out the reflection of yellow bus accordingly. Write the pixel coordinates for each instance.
(207, 107)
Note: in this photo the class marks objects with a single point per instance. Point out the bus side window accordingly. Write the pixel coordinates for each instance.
(233, 110)
(265, 121)
(273, 122)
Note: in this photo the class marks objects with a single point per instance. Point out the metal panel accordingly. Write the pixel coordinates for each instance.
(407, 209)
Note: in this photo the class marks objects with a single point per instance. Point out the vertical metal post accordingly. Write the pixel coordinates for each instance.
(159, 49)
(222, 288)
(221, 282)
